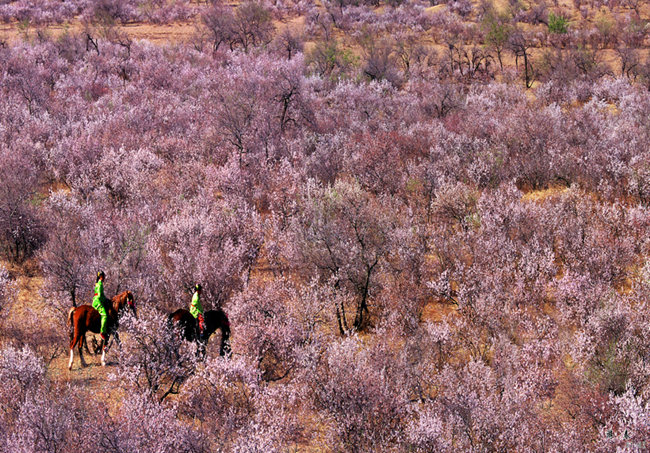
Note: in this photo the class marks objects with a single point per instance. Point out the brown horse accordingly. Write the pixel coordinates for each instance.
(85, 318)
(214, 319)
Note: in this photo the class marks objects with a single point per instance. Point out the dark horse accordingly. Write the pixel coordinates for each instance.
(214, 319)
(85, 318)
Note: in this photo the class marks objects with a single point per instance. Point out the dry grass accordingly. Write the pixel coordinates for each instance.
(433, 9)
(155, 33)
(175, 32)
(539, 196)
(437, 310)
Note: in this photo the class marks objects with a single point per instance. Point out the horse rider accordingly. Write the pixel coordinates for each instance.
(98, 303)
(196, 309)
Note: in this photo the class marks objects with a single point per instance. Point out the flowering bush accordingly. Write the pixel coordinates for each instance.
(154, 359)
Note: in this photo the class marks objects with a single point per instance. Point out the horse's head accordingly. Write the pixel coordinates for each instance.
(130, 302)
(125, 301)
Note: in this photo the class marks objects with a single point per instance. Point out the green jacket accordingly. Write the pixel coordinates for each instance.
(99, 301)
(99, 298)
(195, 307)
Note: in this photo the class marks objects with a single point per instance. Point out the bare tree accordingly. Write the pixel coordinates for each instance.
(520, 43)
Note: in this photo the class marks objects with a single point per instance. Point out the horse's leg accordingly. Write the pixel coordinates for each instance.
(75, 339)
(85, 342)
(112, 337)
(71, 358)
(95, 345)
(71, 353)
(82, 340)
(104, 346)
(72, 336)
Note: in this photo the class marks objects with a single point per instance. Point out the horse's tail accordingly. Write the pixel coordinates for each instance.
(71, 323)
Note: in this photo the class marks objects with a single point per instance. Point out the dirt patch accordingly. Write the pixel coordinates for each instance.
(436, 311)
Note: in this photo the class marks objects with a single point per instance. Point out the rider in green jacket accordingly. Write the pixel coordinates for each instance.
(99, 301)
(196, 308)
